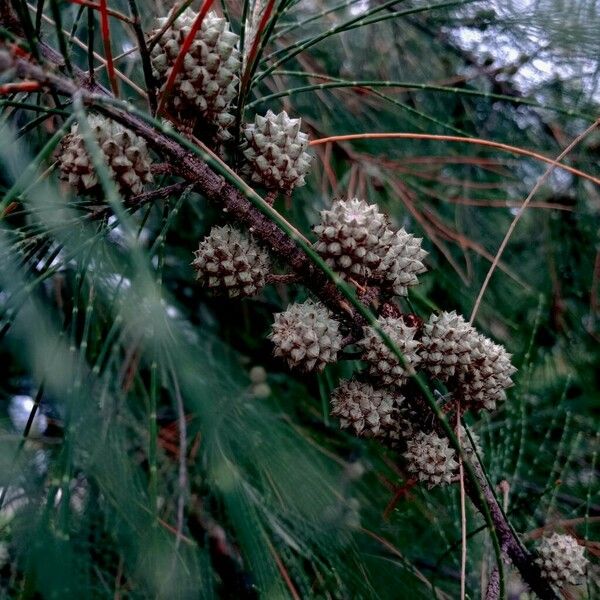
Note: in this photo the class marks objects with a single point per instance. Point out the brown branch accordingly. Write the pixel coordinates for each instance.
(283, 278)
(99, 211)
(493, 587)
(161, 169)
(193, 169)
(214, 188)
(510, 543)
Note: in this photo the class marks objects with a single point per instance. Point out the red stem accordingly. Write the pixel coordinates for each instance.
(454, 138)
(21, 86)
(94, 6)
(110, 65)
(255, 44)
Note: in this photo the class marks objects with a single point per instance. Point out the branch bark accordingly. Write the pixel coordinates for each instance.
(193, 170)
(216, 189)
(510, 543)
(493, 587)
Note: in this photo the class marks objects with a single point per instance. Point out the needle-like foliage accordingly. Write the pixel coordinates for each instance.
(151, 445)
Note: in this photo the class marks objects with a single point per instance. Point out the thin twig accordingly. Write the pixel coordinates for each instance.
(183, 474)
(163, 193)
(463, 512)
(97, 56)
(283, 278)
(521, 211)
(91, 22)
(463, 140)
(109, 11)
(144, 55)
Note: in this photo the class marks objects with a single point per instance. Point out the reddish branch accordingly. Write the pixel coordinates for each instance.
(110, 65)
(17, 87)
(213, 187)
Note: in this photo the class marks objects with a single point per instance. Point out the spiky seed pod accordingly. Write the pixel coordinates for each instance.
(276, 153)
(227, 260)
(207, 84)
(400, 431)
(482, 385)
(384, 364)
(402, 262)
(561, 559)
(353, 237)
(477, 392)
(306, 335)
(410, 418)
(430, 459)
(447, 342)
(125, 154)
(367, 411)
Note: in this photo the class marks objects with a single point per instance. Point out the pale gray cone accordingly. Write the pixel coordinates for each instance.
(306, 336)
(276, 154)
(430, 459)
(410, 418)
(561, 559)
(482, 385)
(384, 364)
(367, 411)
(353, 238)
(401, 430)
(207, 84)
(229, 261)
(447, 343)
(125, 154)
(402, 262)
